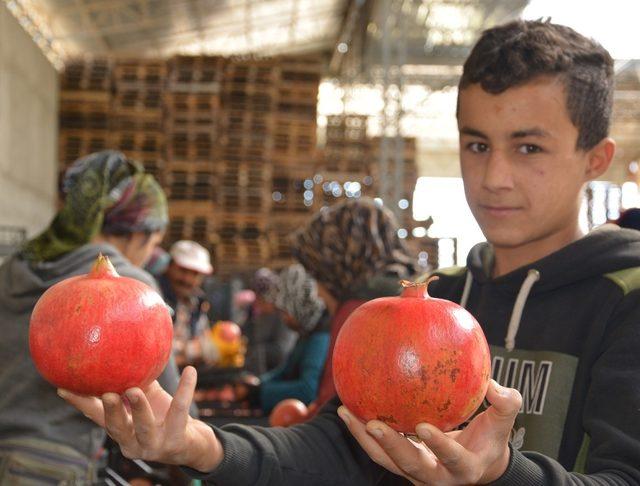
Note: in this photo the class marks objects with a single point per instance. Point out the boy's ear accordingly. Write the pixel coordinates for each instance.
(600, 158)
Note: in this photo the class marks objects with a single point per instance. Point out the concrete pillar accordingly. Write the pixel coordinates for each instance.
(28, 129)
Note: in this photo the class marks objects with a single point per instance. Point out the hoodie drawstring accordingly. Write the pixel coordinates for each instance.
(516, 314)
(467, 289)
(514, 323)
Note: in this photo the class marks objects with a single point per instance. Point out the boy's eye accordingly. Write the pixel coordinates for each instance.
(478, 147)
(529, 148)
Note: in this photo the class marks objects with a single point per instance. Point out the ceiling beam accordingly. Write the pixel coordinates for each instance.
(223, 28)
(97, 35)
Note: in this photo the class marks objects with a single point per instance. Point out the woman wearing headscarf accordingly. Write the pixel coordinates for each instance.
(111, 207)
(304, 312)
(269, 340)
(353, 251)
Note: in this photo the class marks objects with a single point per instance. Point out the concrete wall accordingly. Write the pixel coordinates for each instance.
(28, 129)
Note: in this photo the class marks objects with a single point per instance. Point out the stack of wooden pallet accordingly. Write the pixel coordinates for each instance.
(294, 153)
(84, 109)
(191, 121)
(136, 118)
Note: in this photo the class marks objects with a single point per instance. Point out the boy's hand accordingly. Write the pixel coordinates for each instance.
(478, 454)
(153, 426)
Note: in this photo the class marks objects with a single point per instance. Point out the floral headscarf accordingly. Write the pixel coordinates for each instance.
(104, 192)
(298, 295)
(346, 244)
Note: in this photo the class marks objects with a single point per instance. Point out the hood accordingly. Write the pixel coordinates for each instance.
(606, 249)
(21, 283)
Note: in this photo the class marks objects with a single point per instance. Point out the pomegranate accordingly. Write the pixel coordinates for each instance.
(228, 331)
(411, 359)
(288, 412)
(226, 394)
(100, 332)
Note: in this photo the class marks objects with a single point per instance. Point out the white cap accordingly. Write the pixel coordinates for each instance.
(191, 255)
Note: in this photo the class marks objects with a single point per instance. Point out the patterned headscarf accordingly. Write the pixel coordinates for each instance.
(104, 192)
(298, 295)
(345, 245)
(265, 284)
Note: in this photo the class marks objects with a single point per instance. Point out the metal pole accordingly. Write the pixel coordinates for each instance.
(383, 176)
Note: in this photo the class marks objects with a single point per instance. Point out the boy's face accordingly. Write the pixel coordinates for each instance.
(522, 172)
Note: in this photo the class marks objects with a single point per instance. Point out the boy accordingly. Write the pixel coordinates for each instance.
(560, 310)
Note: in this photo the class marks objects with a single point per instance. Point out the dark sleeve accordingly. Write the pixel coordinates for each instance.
(611, 416)
(305, 387)
(319, 452)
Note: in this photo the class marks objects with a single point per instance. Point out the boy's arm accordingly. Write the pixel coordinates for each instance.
(319, 452)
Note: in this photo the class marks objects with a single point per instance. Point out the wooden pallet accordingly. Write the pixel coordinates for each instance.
(292, 139)
(247, 226)
(250, 72)
(190, 184)
(351, 128)
(410, 169)
(152, 162)
(239, 253)
(252, 98)
(84, 115)
(134, 101)
(194, 146)
(244, 201)
(243, 122)
(197, 227)
(191, 209)
(288, 189)
(302, 69)
(86, 75)
(249, 175)
(346, 156)
(298, 101)
(138, 122)
(192, 108)
(279, 231)
(139, 73)
(74, 144)
(195, 74)
(137, 141)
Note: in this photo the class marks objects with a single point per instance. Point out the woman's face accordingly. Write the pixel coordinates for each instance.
(140, 246)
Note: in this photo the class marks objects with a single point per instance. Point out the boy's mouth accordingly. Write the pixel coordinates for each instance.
(499, 210)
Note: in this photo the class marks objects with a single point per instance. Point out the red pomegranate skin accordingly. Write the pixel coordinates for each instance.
(100, 332)
(229, 331)
(288, 412)
(412, 359)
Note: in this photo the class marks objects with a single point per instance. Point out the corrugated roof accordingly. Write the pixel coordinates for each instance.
(161, 28)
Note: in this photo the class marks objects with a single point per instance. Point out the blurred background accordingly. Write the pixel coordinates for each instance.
(255, 114)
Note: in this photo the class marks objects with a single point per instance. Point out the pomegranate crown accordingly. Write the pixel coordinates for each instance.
(103, 267)
(417, 289)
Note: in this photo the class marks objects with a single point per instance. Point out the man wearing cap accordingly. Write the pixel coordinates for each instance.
(181, 287)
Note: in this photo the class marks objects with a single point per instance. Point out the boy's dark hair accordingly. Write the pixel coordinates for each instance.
(515, 53)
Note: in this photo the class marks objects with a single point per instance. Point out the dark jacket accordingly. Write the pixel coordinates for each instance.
(575, 359)
(29, 406)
